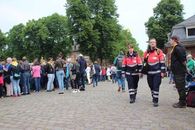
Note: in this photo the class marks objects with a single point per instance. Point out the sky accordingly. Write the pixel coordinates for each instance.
(132, 13)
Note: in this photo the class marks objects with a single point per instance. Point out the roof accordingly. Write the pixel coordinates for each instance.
(188, 22)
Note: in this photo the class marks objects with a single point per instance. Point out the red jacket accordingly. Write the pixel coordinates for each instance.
(156, 61)
(132, 64)
(103, 71)
(1, 81)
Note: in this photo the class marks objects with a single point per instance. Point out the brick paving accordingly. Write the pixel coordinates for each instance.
(96, 109)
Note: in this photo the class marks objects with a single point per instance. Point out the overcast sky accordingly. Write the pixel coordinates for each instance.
(132, 13)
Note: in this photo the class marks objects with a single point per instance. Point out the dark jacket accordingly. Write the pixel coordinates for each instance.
(83, 65)
(49, 69)
(178, 59)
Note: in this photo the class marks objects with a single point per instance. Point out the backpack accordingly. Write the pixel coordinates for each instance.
(190, 99)
(119, 61)
(16, 73)
(97, 69)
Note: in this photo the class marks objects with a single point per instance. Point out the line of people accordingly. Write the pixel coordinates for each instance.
(16, 77)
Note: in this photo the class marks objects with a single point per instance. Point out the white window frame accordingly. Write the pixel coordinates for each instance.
(187, 32)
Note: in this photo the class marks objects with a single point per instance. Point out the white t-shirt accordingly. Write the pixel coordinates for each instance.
(88, 70)
(108, 72)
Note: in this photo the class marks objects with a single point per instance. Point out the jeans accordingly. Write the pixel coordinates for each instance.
(114, 78)
(121, 80)
(60, 77)
(16, 86)
(82, 78)
(95, 80)
(67, 82)
(26, 82)
(37, 84)
(50, 82)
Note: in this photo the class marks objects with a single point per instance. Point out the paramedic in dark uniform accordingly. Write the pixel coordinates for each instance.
(132, 66)
(156, 69)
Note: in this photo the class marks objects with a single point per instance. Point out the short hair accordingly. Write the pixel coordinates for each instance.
(152, 39)
(175, 38)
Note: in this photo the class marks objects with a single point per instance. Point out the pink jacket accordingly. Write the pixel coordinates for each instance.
(36, 71)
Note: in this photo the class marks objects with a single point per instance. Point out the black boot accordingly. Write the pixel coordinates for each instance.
(132, 100)
(180, 105)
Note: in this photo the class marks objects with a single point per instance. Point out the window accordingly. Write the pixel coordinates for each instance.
(190, 32)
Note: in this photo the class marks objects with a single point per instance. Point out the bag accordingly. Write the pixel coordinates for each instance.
(120, 61)
(16, 76)
(190, 99)
(145, 65)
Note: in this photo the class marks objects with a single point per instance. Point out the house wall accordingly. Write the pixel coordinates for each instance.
(180, 32)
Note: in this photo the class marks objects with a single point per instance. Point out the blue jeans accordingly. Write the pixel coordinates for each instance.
(16, 86)
(95, 80)
(26, 82)
(37, 84)
(60, 76)
(50, 81)
(121, 80)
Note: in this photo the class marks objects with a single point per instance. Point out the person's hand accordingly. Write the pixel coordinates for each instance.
(140, 75)
(123, 75)
(162, 75)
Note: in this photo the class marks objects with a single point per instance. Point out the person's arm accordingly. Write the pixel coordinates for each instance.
(139, 63)
(162, 62)
(124, 64)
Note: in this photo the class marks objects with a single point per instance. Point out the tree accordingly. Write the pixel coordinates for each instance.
(167, 14)
(125, 38)
(3, 45)
(81, 27)
(16, 41)
(105, 16)
(45, 37)
(93, 26)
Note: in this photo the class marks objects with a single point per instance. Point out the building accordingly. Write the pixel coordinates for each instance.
(186, 33)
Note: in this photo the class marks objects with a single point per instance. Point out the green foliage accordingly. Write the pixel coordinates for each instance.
(46, 37)
(93, 26)
(3, 43)
(167, 14)
(125, 38)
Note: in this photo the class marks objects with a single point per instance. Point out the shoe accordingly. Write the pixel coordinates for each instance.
(82, 89)
(74, 91)
(61, 93)
(132, 101)
(119, 89)
(155, 104)
(179, 105)
(78, 91)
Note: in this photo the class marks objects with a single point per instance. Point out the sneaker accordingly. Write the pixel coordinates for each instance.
(179, 105)
(155, 104)
(82, 89)
(78, 91)
(61, 93)
(74, 91)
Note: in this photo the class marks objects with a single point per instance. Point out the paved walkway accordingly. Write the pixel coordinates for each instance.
(96, 109)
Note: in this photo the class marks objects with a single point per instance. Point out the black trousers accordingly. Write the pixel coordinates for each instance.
(154, 81)
(1, 91)
(132, 81)
(180, 85)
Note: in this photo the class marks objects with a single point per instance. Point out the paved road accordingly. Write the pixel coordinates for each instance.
(96, 109)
